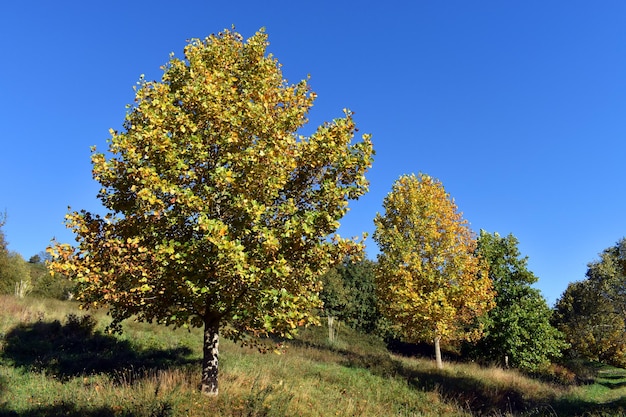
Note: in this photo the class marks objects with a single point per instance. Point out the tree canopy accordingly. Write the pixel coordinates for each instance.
(429, 282)
(517, 331)
(14, 270)
(218, 212)
(592, 313)
(349, 294)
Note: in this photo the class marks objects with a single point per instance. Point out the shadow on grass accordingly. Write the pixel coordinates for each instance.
(69, 410)
(576, 407)
(611, 378)
(613, 384)
(3, 389)
(479, 398)
(412, 350)
(74, 349)
(467, 391)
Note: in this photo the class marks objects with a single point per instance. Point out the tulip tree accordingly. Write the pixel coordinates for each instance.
(219, 213)
(429, 283)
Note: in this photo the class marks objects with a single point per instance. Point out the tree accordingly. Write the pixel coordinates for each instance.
(46, 285)
(219, 214)
(334, 297)
(14, 272)
(14, 275)
(18, 273)
(4, 252)
(592, 313)
(349, 294)
(517, 331)
(429, 282)
(41, 258)
(361, 312)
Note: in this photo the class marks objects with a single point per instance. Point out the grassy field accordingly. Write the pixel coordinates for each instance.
(56, 361)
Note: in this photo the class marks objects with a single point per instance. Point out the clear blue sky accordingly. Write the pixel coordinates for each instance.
(518, 107)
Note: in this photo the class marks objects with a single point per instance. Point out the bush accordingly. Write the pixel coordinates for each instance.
(557, 373)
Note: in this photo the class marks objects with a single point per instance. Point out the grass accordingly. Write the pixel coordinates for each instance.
(55, 360)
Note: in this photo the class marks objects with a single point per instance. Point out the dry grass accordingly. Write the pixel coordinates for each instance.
(147, 379)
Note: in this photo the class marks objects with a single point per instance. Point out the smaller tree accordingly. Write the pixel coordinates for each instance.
(349, 294)
(518, 330)
(360, 281)
(14, 273)
(35, 259)
(4, 250)
(40, 259)
(592, 313)
(15, 276)
(429, 282)
(335, 298)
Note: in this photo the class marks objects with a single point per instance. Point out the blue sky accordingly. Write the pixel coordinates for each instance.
(517, 107)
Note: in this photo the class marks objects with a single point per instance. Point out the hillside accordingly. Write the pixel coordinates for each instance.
(57, 360)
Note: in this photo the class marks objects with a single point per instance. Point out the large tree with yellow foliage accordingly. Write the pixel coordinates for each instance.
(219, 214)
(429, 282)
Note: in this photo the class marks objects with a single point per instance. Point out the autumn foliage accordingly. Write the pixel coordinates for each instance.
(429, 282)
(218, 212)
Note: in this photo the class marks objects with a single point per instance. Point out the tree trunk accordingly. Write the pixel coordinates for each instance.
(331, 329)
(208, 384)
(438, 352)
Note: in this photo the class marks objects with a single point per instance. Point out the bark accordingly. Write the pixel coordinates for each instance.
(331, 329)
(438, 352)
(208, 384)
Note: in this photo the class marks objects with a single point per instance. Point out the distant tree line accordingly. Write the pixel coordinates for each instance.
(21, 278)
